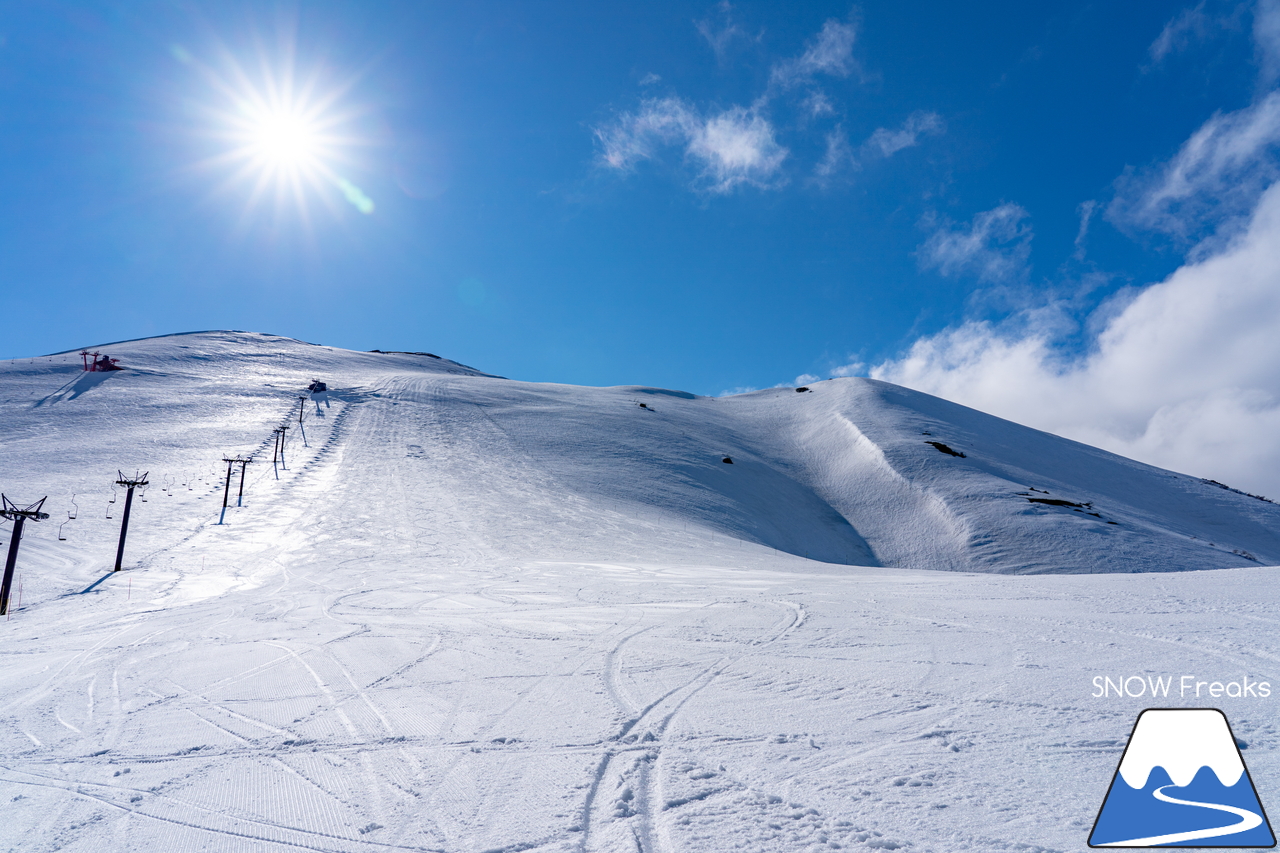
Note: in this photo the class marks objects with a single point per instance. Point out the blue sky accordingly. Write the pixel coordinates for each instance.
(967, 198)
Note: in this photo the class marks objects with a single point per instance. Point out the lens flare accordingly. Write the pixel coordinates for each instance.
(281, 133)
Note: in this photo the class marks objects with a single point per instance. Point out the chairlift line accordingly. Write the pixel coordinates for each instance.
(130, 483)
(19, 516)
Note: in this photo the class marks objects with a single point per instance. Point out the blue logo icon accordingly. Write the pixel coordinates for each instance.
(1182, 783)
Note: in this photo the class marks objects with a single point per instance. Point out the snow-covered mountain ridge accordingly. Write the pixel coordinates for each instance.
(853, 471)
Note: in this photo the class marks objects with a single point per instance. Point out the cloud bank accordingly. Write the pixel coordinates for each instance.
(1185, 374)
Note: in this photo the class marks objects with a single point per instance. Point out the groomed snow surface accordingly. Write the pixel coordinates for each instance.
(473, 614)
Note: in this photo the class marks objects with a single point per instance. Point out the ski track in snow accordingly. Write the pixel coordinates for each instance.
(440, 627)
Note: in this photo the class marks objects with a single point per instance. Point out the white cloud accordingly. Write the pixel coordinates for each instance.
(888, 142)
(637, 136)
(721, 30)
(649, 79)
(1218, 172)
(736, 146)
(817, 104)
(1086, 209)
(853, 368)
(806, 379)
(1266, 36)
(1187, 26)
(740, 146)
(1185, 374)
(1216, 177)
(839, 155)
(994, 248)
(881, 144)
(830, 53)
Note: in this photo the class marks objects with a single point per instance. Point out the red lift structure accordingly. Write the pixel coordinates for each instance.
(94, 364)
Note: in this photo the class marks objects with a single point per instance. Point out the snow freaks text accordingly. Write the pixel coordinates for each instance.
(1185, 687)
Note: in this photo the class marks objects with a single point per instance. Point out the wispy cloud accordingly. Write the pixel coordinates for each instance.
(994, 247)
(1086, 209)
(1266, 38)
(637, 136)
(721, 30)
(740, 146)
(731, 148)
(1185, 28)
(802, 379)
(1218, 173)
(829, 53)
(887, 142)
(839, 157)
(1184, 374)
(852, 368)
(818, 104)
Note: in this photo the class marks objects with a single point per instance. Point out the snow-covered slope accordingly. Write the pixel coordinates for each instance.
(843, 473)
(472, 614)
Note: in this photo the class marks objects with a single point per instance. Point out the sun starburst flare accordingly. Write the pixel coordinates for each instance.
(282, 136)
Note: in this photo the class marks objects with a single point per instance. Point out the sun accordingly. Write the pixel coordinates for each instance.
(286, 141)
(286, 137)
(281, 135)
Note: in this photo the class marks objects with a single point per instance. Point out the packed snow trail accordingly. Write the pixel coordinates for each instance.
(436, 632)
